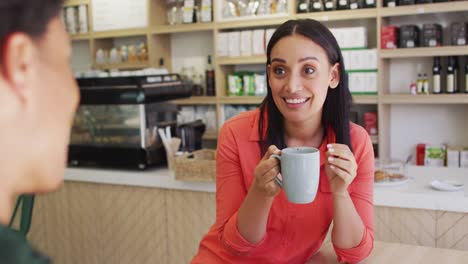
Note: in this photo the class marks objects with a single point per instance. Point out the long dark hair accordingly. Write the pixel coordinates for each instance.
(335, 114)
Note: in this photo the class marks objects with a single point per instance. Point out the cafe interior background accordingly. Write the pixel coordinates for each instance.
(159, 78)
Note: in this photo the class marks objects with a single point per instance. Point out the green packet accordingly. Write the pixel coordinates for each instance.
(435, 156)
(234, 85)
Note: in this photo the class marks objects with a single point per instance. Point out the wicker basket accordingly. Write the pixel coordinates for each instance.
(198, 166)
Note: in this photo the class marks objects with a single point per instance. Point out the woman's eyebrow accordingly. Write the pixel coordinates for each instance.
(300, 60)
(308, 58)
(278, 60)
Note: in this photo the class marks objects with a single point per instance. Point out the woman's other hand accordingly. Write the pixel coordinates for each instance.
(340, 167)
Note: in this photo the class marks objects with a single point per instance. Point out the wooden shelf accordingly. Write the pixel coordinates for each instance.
(68, 3)
(167, 29)
(423, 52)
(210, 135)
(122, 66)
(458, 6)
(241, 100)
(120, 33)
(80, 37)
(340, 14)
(251, 22)
(255, 59)
(365, 99)
(197, 100)
(425, 99)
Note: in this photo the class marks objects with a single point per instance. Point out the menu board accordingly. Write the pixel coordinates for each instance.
(119, 14)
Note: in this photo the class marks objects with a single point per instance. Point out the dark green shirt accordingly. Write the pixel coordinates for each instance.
(15, 249)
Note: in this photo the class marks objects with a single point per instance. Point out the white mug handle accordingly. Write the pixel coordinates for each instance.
(277, 180)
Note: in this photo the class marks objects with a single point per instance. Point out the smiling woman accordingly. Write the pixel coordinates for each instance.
(307, 105)
(314, 70)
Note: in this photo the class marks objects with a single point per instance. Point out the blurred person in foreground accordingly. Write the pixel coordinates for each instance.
(38, 98)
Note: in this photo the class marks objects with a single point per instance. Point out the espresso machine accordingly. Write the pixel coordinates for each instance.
(117, 122)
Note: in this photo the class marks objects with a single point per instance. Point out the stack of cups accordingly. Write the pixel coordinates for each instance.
(71, 20)
(83, 19)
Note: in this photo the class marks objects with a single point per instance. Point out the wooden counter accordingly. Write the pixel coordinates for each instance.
(397, 253)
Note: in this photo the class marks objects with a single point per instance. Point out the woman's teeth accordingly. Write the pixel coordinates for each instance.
(295, 101)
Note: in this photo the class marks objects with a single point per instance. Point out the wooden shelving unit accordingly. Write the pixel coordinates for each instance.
(68, 3)
(365, 99)
(255, 59)
(80, 37)
(122, 66)
(158, 35)
(425, 99)
(241, 100)
(169, 29)
(457, 6)
(341, 15)
(120, 33)
(423, 52)
(252, 22)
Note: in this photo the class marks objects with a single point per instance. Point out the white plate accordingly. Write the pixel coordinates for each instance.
(447, 186)
(391, 183)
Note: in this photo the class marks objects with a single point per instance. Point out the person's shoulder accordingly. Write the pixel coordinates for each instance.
(357, 133)
(14, 248)
(360, 139)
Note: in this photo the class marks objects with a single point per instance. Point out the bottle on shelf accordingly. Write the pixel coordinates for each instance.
(436, 70)
(171, 12)
(316, 6)
(355, 4)
(197, 83)
(329, 5)
(391, 3)
(303, 6)
(343, 5)
(452, 76)
(419, 84)
(210, 79)
(425, 84)
(413, 88)
(369, 3)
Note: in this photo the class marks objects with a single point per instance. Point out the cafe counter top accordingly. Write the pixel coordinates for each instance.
(414, 194)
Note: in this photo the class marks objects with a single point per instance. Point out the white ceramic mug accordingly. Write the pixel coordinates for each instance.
(300, 170)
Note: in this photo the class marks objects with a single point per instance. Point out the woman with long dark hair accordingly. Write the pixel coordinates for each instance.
(307, 104)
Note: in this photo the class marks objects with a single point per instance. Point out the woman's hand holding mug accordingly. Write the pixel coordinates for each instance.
(266, 172)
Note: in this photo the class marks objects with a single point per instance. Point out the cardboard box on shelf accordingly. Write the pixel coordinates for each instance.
(258, 42)
(464, 158)
(246, 43)
(223, 44)
(370, 123)
(389, 37)
(370, 82)
(234, 43)
(351, 37)
(453, 157)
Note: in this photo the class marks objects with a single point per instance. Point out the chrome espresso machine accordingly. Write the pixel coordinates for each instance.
(117, 122)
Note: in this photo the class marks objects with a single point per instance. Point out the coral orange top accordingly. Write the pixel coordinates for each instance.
(295, 232)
